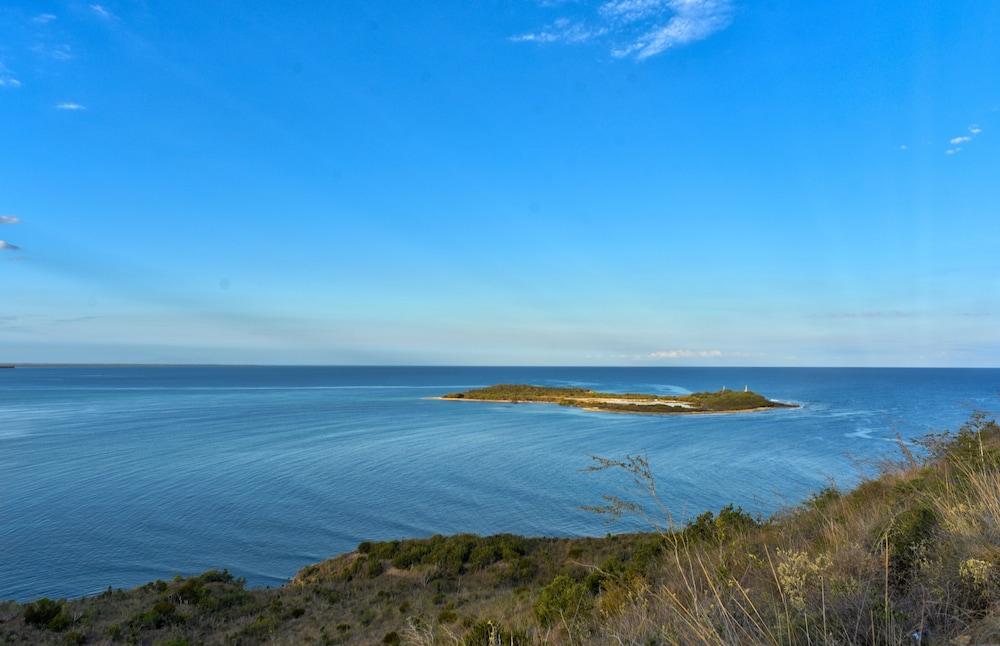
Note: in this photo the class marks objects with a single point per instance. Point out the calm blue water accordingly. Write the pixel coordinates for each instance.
(116, 476)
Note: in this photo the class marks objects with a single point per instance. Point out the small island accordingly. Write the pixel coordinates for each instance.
(720, 401)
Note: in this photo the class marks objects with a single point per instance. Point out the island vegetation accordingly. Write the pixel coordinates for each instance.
(911, 556)
(720, 401)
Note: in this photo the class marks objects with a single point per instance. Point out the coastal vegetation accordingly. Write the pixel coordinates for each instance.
(720, 401)
(910, 556)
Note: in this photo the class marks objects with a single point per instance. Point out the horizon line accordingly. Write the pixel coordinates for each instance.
(87, 364)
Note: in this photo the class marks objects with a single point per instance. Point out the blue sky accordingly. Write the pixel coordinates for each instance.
(633, 182)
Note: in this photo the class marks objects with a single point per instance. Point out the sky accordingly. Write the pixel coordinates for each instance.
(529, 182)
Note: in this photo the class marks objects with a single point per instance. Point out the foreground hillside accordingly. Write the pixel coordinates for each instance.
(912, 557)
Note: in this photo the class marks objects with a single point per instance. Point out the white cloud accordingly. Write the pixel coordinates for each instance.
(683, 354)
(44, 18)
(9, 219)
(6, 246)
(70, 106)
(632, 10)
(6, 79)
(956, 142)
(903, 147)
(59, 52)
(562, 30)
(101, 11)
(640, 28)
(692, 21)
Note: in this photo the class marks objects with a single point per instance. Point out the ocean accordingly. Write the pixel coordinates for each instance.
(115, 476)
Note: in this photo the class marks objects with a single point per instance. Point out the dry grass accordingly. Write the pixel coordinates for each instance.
(911, 557)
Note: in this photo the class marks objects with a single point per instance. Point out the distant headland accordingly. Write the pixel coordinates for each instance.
(720, 401)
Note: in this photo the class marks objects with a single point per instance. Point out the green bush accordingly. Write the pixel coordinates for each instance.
(161, 614)
(44, 613)
(564, 598)
(907, 537)
(823, 498)
(597, 580)
(373, 566)
(732, 521)
(385, 551)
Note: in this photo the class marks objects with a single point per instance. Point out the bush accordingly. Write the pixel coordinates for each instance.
(598, 580)
(44, 613)
(732, 521)
(907, 537)
(373, 566)
(161, 614)
(562, 599)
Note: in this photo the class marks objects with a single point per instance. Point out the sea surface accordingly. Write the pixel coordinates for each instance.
(114, 476)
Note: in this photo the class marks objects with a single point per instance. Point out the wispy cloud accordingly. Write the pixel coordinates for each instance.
(76, 319)
(871, 314)
(44, 18)
(668, 355)
(693, 20)
(683, 354)
(632, 10)
(6, 79)
(9, 219)
(69, 105)
(956, 142)
(639, 29)
(101, 11)
(58, 52)
(562, 30)
(7, 246)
